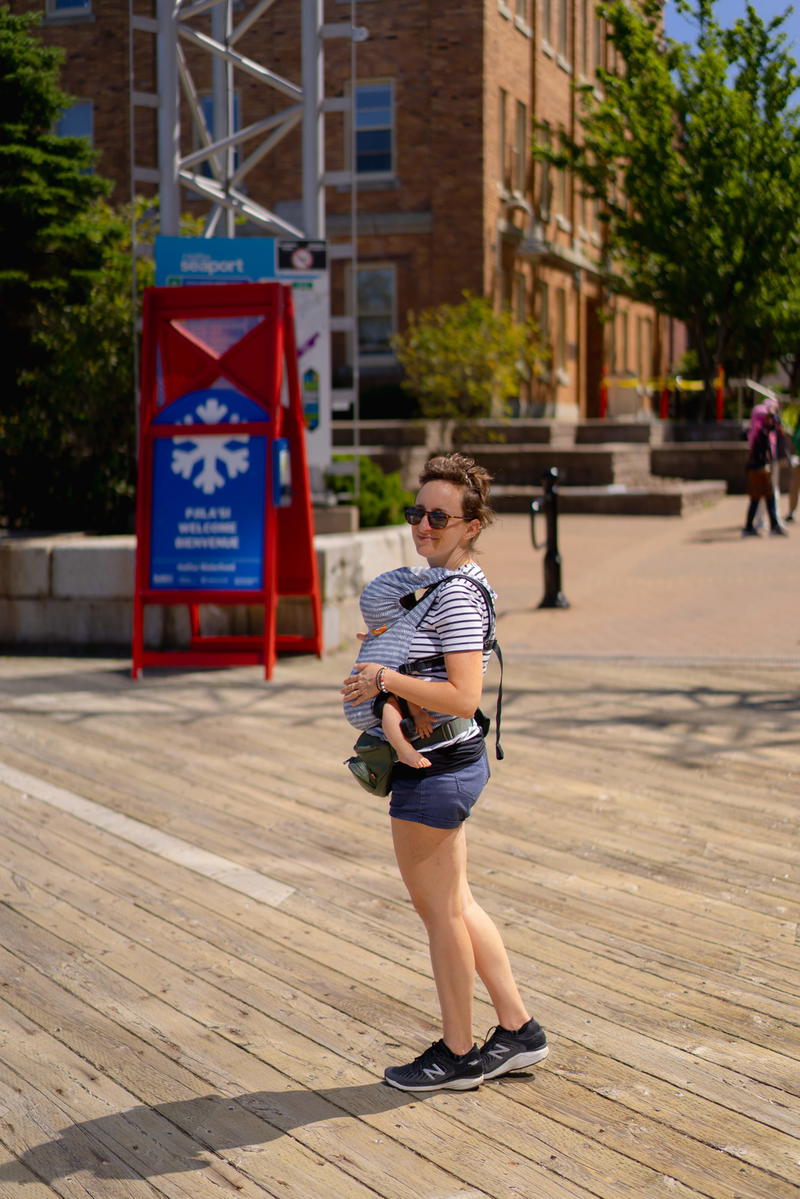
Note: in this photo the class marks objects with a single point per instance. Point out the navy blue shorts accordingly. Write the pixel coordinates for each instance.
(440, 800)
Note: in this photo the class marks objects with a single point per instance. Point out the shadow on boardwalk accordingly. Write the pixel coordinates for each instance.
(169, 1138)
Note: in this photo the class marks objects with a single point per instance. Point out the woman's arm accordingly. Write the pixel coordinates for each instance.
(459, 696)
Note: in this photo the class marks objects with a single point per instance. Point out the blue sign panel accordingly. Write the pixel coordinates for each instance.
(208, 497)
(182, 260)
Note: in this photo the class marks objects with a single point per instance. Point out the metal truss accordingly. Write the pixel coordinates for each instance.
(211, 171)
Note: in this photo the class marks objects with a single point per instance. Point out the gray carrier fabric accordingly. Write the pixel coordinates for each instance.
(381, 604)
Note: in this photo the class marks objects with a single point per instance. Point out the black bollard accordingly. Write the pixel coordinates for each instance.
(553, 595)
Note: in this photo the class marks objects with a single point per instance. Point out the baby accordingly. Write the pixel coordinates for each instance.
(383, 602)
(396, 726)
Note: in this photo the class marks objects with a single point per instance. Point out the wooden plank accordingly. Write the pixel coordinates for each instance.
(713, 933)
(312, 1118)
(660, 1137)
(646, 903)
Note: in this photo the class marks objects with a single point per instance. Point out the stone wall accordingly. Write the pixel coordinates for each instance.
(73, 592)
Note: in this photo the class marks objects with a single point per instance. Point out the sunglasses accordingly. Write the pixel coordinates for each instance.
(437, 519)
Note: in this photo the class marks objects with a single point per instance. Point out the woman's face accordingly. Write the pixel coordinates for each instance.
(449, 547)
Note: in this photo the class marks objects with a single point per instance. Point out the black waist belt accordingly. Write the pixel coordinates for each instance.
(444, 732)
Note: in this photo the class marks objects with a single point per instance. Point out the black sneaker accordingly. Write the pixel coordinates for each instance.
(506, 1051)
(437, 1069)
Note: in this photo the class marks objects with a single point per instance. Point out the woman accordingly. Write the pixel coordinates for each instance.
(429, 806)
(794, 486)
(763, 443)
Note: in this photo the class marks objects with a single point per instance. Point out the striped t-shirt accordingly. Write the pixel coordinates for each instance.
(458, 620)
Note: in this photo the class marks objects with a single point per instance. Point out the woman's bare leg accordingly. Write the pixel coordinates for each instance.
(492, 964)
(432, 864)
(461, 936)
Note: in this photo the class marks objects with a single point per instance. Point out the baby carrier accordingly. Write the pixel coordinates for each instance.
(393, 614)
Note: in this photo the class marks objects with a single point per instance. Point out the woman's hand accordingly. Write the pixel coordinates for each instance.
(361, 685)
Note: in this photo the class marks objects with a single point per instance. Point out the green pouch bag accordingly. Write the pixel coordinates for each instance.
(372, 766)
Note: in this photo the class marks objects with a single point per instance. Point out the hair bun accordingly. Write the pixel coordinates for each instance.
(465, 472)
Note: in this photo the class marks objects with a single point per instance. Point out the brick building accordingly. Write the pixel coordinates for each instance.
(448, 198)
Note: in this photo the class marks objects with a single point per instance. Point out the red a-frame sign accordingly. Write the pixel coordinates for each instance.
(224, 503)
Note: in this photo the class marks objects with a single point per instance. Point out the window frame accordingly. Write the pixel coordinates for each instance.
(63, 10)
(562, 46)
(547, 25)
(85, 105)
(383, 174)
(503, 174)
(560, 332)
(521, 154)
(383, 357)
(203, 99)
(561, 194)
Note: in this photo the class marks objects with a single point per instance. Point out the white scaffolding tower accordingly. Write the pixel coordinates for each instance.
(223, 157)
(220, 181)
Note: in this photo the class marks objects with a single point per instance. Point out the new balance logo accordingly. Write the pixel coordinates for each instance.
(498, 1050)
(434, 1072)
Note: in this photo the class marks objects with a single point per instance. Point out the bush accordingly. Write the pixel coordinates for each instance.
(381, 498)
(464, 360)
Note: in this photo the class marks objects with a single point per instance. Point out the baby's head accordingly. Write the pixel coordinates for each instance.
(379, 612)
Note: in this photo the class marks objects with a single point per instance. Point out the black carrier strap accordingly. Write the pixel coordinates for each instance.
(420, 665)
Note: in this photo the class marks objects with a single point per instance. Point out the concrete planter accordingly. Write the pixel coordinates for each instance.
(73, 592)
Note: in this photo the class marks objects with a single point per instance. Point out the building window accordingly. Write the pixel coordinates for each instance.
(587, 7)
(523, 11)
(377, 311)
(77, 121)
(599, 42)
(645, 349)
(560, 346)
(374, 129)
(561, 193)
(207, 108)
(547, 22)
(521, 148)
(543, 310)
(546, 175)
(66, 8)
(503, 175)
(562, 45)
(520, 303)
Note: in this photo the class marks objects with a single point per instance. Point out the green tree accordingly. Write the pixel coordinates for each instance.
(694, 152)
(460, 360)
(74, 460)
(49, 246)
(52, 246)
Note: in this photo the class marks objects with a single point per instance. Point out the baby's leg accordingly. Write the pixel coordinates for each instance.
(391, 722)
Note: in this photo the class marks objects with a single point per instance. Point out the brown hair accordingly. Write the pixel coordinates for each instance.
(466, 473)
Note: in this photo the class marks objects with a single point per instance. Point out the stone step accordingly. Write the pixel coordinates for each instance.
(664, 497)
(529, 431)
(703, 460)
(585, 466)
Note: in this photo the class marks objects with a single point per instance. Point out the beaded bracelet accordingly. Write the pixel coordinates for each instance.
(379, 683)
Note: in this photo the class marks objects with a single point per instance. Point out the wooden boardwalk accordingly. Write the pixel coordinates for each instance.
(208, 958)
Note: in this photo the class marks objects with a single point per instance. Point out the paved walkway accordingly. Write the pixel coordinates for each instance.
(662, 588)
(207, 957)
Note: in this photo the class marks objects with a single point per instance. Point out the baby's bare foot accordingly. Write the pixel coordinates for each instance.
(411, 757)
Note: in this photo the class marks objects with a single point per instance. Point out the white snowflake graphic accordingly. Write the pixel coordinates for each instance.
(211, 452)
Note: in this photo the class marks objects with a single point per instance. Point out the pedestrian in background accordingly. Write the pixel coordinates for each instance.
(794, 486)
(763, 442)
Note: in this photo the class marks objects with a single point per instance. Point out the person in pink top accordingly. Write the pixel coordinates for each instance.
(763, 441)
